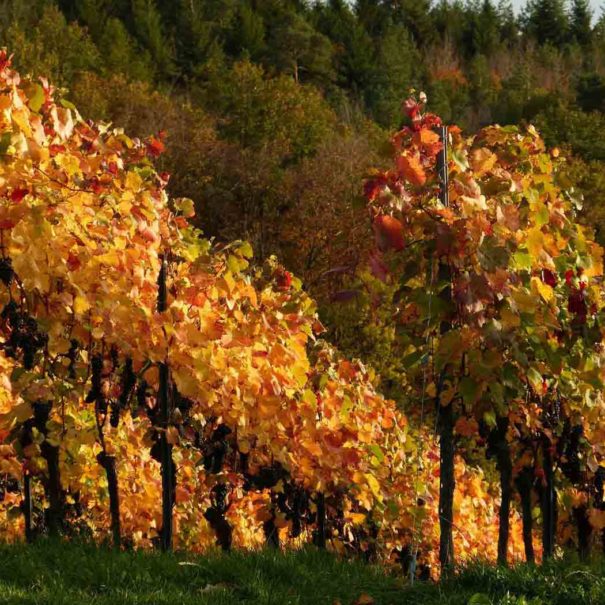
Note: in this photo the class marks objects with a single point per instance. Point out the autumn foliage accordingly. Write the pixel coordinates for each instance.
(498, 304)
(275, 437)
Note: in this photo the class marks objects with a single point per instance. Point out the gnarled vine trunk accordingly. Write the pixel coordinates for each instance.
(580, 514)
(549, 502)
(321, 521)
(505, 469)
(524, 486)
(270, 528)
(52, 483)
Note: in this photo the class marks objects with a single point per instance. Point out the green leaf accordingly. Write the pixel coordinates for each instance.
(449, 349)
(36, 97)
(497, 392)
(479, 599)
(17, 373)
(409, 361)
(469, 390)
(542, 216)
(461, 160)
(67, 104)
(535, 379)
(5, 141)
(246, 250)
(233, 263)
(522, 260)
(490, 418)
(184, 206)
(375, 449)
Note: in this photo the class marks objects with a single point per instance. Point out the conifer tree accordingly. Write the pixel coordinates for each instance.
(546, 21)
(580, 22)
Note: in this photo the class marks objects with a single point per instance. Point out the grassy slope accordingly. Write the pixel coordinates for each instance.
(57, 574)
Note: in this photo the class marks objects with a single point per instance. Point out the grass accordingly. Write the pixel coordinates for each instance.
(81, 574)
(70, 574)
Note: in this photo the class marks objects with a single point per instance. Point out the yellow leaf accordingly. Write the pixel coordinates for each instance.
(525, 301)
(185, 382)
(482, 161)
(509, 319)
(373, 485)
(133, 181)
(545, 291)
(81, 305)
(357, 518)
(535, 243)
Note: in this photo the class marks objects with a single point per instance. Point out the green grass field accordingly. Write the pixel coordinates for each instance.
(68, 574)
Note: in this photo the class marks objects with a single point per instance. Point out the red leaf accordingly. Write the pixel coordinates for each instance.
(373, 187)
(283, 279)
(577, 304)
(55, 149)
(155, 147)
(73, 262)
(5, 60)
(17, 195)
(549, 278)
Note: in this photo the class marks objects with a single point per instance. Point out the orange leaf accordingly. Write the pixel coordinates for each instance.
(410, 168)
(389, 232)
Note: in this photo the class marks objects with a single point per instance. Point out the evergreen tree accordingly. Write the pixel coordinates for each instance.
(374, 15)
(92, 13)
(248, 33)
(121, 54)
(199, 29)
(397, 72)
(580, 22)
(591, 92)
(147, 22)
(484, 26)
(546, 21)
(509, 24)
(355, 54)
(451, 22)
(417, 18)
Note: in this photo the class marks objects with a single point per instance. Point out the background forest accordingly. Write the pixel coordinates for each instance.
(272, 111)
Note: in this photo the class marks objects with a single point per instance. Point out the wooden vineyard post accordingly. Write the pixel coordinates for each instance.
(548, 502)
(164, 408)
(505, 469)
(445, 414)
(321, 521)
(28, 507)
